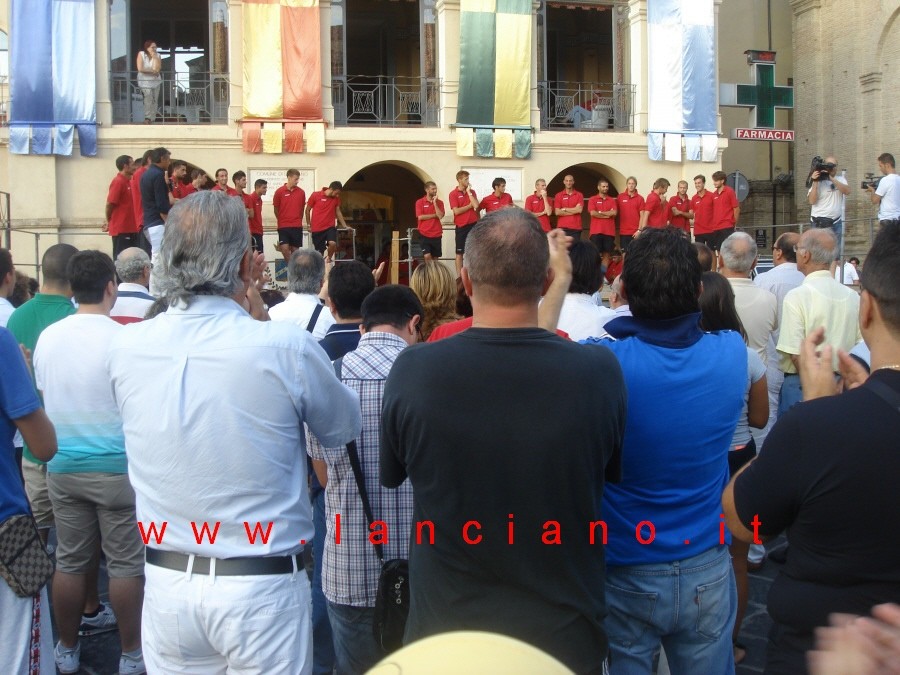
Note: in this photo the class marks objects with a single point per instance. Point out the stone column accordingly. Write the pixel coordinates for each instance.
(101, 53)
(638, 67)
(448, 58)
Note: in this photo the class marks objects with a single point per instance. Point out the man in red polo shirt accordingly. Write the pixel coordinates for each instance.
(177, 172)
(498, 199)
(198, 179)
(680, 209)
(726, 211)
(120, 208)
(702, 212)
(138, 202)
(325, 206)
(655, 211)
(568, 205)
(630, 204)
(464, 203)
(222, 183)
(289, 201)
(539, 204)
(603, 212)
(253, 202)
(429, 211)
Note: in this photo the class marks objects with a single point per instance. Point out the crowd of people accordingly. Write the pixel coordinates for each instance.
(228, 428)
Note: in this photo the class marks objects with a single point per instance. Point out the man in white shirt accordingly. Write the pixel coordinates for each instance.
(213, 407)
(133, 267)
(826, 199)
(887, 195)
(303, 306)
(818, 301)
(848, 271)
(7, 283)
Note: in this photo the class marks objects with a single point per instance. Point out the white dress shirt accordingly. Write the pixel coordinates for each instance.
(582, 319)
(298, 308)
(213, 405)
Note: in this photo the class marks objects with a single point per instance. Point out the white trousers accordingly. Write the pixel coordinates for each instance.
(155, 237)
(17, 619)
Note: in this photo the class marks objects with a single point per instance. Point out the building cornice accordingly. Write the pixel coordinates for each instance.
(802, 6)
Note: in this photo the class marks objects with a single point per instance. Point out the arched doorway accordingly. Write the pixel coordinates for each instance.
(378, 200)
(586, 176)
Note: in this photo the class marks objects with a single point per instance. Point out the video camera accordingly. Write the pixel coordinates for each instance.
(871, 181)
(824, 168)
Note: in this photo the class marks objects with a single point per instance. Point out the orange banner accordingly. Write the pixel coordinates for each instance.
(301, 60)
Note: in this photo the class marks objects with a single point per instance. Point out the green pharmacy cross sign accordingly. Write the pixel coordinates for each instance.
(762, 96)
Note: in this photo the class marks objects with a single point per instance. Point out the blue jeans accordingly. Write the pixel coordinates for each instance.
(355, 649)
(687, 605)
(323, 649)
(791, 394)
(838, 229)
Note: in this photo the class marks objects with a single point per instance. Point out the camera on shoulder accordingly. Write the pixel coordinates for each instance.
(824, 168)
(871, 181)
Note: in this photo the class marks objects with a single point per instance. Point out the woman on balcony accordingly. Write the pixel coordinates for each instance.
(148, 65)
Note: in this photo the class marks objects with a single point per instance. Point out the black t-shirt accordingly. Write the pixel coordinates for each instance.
(829, 473)
(491, 442)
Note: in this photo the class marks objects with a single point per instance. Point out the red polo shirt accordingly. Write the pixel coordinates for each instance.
(564, 200)
(289, 206)
(324, 210)
(658, 210)
(228, 190)
(430, 227)
(535, 204)
(457, 199)
(254, 201)
(122, 219)
(605, 226)
(703, 212)
(494, 203)
(136, 200)
(682, 204)
(630, 207)
(724, 203)
(186, 190)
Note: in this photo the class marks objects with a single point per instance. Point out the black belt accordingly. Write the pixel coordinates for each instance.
(792, 374)
(226, 567)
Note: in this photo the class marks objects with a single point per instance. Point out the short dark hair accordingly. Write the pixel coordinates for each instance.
(705, 256)
(718, 311)
(259, 182)
(122, 161)
(429, 183)
(55, 263)
(498, 181)
(335, 185)
(196, 173)
(237, 175)
(587, 268)
(6, 263)
(178, 162)
(507, 256)
(854, 259)
(145, 158)
(886, 158)
(348, 285)
(700, 176)
(391, 305)
(159, 154)
(292, 172)
(719, 175)
(219, 170)
(787, 243)
(660, 182)
(879, 277)
(89, 274)
(661, 275)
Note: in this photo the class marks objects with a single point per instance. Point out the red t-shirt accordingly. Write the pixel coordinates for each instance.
(446, 330)
(630, 207)
(186, 190)
(613, 270)
(658, 210)
(430, 227)
(324, 210)
(564, 200)
(136, 200)
(457, 199)
(703, 212)
(682, 204)
(289, 206)
(122, 219)
(254, 201)
(228, 190)
(536, 205)
(494, 203)
(724, 203)
(605, 226)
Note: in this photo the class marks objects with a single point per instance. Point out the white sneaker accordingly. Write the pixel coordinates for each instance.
(104, 622)
(128, 665)
(68, 659)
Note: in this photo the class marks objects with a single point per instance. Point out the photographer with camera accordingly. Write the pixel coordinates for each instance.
(826, 197)
(885, 191)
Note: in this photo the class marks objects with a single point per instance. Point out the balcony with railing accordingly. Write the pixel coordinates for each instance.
(586, 106)
(385, 101)
(179, 98)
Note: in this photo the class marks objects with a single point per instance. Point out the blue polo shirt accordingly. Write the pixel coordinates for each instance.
(685, 392)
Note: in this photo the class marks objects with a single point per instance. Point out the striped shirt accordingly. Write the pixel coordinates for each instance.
(351, 568)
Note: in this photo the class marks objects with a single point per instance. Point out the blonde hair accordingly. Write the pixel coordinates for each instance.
(434, 285)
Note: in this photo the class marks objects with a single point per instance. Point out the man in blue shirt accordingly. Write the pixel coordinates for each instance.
(156, 203)
(669, 576)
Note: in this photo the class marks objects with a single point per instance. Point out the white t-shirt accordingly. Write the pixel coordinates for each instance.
(70, 370)
(756, 369)
(889, 191)
(582, 319)
(6, 309)
(851, 276)
(829, 200)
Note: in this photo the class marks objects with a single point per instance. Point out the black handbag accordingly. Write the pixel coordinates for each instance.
(392, 597)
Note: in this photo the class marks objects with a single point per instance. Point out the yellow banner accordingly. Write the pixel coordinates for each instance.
(512, 91)
(263, 91)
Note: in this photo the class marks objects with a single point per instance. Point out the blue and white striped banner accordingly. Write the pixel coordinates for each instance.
(52, 76)
(682, 68)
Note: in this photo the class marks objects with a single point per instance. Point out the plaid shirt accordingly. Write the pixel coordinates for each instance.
(350, 569)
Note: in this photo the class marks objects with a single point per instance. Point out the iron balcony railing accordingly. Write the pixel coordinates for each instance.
(386, 101)
(586, 106)
(179, 98)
